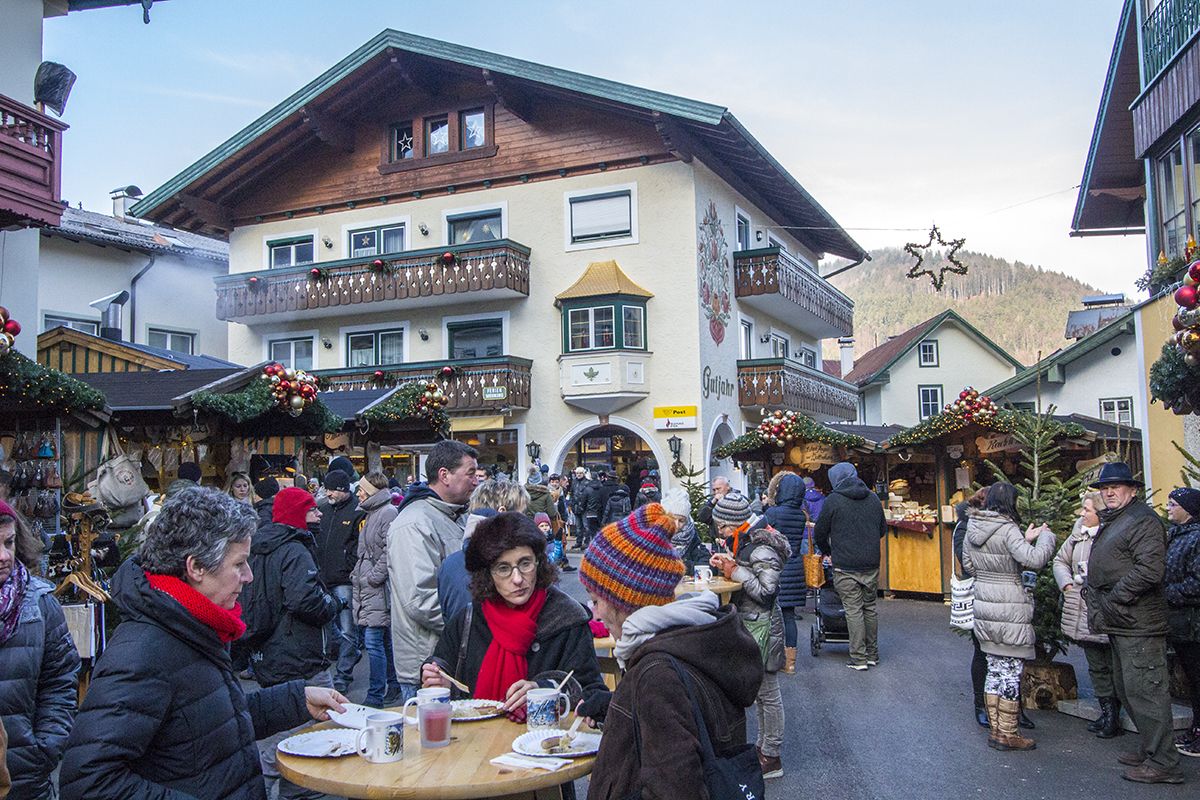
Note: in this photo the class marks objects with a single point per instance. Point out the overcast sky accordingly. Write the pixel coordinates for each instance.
(892, 114)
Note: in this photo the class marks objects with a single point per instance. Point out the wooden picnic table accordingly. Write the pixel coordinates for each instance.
(460, 771)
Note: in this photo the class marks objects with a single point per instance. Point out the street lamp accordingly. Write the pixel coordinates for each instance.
(676, 445)
(534, 450)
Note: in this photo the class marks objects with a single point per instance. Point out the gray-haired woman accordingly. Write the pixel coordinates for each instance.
(165, 715)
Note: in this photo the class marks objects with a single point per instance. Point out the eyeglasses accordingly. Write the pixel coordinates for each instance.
(525, 566)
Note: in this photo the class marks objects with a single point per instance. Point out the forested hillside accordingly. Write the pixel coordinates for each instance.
(1023, 308)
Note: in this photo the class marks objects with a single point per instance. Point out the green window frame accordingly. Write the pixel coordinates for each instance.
(291, 252)
(929, 400)
(475, 226)
(465, 338)
(603, 324)
(380, 240)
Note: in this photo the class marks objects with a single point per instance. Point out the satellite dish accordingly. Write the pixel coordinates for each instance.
(52, 86)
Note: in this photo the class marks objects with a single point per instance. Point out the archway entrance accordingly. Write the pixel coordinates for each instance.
(615, 448)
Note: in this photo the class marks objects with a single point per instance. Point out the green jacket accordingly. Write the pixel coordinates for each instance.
(1124, 589)
(540, 501)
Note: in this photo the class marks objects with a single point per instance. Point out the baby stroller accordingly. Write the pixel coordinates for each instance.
(829, 624)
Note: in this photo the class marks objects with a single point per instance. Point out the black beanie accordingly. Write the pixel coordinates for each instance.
(189, 471)
(337, 481)
(266, 488)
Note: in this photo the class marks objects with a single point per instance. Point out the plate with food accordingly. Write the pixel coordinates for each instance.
(327, 743)
(553, 744)
(466, 711)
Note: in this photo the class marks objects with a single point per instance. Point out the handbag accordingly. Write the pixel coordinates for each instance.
(814, 570)
(962, 603)
(759, 626)
(119, 483)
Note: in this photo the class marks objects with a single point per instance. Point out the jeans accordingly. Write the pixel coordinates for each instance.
(407, 692)
(858, 590)
(348, 637)
(790, 636)
(266, 749)
(383, 684)
(769, 705)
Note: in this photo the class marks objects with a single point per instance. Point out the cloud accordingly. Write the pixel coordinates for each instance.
(208, 97)
(271, 62)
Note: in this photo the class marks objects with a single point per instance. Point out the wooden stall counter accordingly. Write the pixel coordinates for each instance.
(719, 586)
(460, 771)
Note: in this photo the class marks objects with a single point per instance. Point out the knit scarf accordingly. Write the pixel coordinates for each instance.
(227, 624)
(12, 596)
(513, 630)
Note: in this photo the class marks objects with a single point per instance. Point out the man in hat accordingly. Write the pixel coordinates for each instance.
(1124, 592)
(337, 553)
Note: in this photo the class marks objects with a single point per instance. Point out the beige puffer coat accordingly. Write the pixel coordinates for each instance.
(370, 574)
(1070, 568)
(995, 552)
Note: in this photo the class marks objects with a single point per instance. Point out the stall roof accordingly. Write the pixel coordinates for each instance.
(347, 404)
(872, 433)
(1102, 427)
(150, 391)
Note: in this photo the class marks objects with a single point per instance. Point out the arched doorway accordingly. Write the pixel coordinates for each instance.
(620, 445)
(721, 434)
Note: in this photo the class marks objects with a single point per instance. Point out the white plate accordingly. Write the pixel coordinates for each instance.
(459, 706)
(355, 716)
(330, 743)
(530, 744)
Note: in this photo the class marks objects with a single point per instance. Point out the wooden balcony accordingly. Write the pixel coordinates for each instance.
(495, 270)
(30, 166)
(772, 280)
(478, 385)
(1165, 31)
(1171, 61)
(773, 383)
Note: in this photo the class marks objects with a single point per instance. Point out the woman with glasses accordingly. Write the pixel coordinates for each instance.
(518, 624)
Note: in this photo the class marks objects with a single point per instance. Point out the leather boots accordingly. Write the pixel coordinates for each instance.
(789, 660)
(1110, 718)
(1007, 735)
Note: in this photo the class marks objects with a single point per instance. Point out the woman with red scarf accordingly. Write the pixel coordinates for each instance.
(519, 624)
(165, 715)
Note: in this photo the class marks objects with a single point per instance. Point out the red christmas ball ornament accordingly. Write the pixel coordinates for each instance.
(12, 327)
(377, 263)
(447, 371)
(447, 257)
(1194, 271)
(1187, 296)
(315, 272)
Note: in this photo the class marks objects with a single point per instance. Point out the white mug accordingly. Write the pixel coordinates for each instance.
(384, 737)
(703, 574)
(542, 710)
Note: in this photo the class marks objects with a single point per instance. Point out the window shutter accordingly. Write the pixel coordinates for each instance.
(597, 217)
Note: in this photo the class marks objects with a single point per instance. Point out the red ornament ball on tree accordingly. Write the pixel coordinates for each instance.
(12, 327)
(1194, 271)
(1187, 296)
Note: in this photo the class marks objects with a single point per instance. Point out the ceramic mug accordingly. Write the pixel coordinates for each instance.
(544, 708)
(703, 574)
(434, 713)
(384, 738)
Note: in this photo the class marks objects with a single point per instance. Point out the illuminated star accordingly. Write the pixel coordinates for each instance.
(918, 252)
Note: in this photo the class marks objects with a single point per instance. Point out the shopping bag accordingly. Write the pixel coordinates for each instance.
(814, 570)
(962, 603)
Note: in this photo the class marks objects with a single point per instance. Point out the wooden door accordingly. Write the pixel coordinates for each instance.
(914, 562)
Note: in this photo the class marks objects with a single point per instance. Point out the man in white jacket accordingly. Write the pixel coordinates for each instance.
(428, 528)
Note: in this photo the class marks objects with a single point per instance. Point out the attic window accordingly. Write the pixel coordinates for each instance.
(439, 136)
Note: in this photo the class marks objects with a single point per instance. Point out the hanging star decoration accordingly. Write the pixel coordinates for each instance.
(950, 263)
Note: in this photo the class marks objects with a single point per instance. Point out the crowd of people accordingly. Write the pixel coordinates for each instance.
(454, 581)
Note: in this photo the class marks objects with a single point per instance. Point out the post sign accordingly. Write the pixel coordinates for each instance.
(674, 418)
(495, 392)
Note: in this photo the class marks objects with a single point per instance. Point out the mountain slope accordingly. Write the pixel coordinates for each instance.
(1023, 308)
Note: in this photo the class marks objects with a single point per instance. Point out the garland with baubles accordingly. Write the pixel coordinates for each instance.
(29, 387)
(383, 378)
(9, 330)
(973, 406)
(982, 412)
(782, 429)
(422, 400)
(1175, 377)
(257, 407)
(294, 389)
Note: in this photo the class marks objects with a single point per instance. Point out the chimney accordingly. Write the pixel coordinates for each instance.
(109, 307)
(123, 197)
(846, 346)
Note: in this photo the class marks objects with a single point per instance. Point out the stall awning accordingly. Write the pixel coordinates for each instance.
(493, 423)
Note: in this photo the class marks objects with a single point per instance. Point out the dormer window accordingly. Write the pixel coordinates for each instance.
(440, 136)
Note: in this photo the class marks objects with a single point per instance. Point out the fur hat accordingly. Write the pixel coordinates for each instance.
(630, 563)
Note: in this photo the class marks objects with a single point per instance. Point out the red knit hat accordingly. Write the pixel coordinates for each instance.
(291, 507)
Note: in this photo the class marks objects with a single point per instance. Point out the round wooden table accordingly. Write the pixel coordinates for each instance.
(458, 771)
(719, 586)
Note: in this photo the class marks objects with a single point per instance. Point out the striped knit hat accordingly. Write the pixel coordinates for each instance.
(630, 563)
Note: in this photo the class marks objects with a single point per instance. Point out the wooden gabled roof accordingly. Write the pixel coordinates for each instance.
(199, 198)
(602, 278)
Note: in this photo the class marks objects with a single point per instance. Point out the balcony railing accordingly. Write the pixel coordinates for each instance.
(771, 275)
(475, 384)
(1168, 28)
(30, 166)
(781, 383)
(484, 271)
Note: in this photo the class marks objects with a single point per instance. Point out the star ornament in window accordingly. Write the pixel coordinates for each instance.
(949, 261)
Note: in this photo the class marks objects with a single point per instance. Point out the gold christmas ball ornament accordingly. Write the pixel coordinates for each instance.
(297, 401)
(1190, 340)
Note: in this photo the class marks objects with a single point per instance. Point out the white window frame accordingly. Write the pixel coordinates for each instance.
(448, 213)
(805, 350)
(937, 357)
(1116, 411)
(172, 332)
(744, 320)
(70, 318)
(592, 329)
(448, 320)
(390, 222)
(941, 396)
(739, 212)
(279, 336)
(642, 316)
(267, 239)
(346, 331)
(780, 337)
(615, 241)
(772, 241)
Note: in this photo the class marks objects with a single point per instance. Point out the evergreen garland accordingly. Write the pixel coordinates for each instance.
(29, 387)
(1006, 421)
(411, 401)
(1173, 382)
(799, 428)
(250, 407)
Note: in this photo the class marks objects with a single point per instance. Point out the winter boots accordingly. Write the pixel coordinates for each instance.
(1109, 723)
(789, 661)
(1005, 735)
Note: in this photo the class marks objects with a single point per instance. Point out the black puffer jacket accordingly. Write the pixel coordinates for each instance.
(1181, 583)
(563, 642)
(285, 576)
(337, 543)
(165, 717)
(264, 509)
(850, 527)
(1124, 585)
(787, 516)
(37, 691)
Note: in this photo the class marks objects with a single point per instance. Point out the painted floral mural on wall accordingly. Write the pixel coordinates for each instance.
(712, 259)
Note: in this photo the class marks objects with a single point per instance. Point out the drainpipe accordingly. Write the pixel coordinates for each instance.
(133, 297)
(848, 267)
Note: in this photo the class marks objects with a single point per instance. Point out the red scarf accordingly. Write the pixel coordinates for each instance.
(513, 630)
(227, 624)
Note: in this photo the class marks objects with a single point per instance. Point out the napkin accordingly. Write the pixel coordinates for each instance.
(529, 762)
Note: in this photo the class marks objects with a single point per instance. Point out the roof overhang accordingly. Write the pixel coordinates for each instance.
(199, 196)
(1112, 193)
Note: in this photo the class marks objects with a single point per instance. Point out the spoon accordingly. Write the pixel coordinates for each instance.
(552, 743)
(563, 682)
